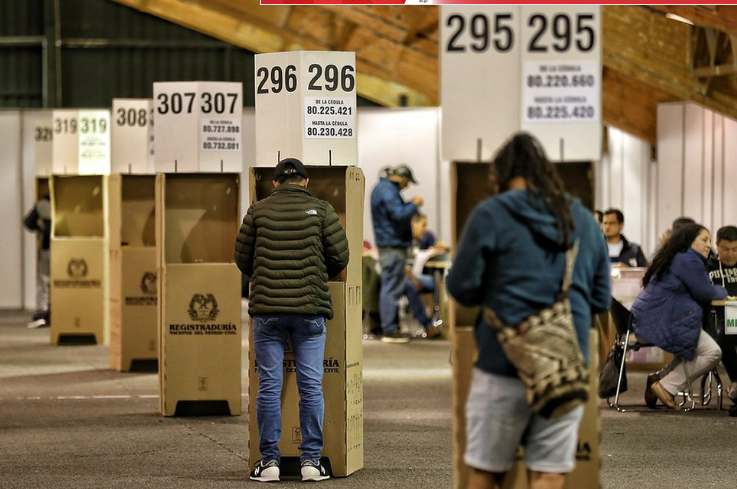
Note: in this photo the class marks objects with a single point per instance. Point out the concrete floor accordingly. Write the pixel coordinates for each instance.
(67, 421)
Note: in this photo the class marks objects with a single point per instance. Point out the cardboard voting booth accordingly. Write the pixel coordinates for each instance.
(133, 278)
(588, 450)
(343, 187)
(199, 307)
(468, 189)
(79, 259)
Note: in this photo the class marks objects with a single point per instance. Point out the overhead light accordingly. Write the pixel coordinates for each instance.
(678, 18)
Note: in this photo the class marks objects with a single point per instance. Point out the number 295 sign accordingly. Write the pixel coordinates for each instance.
(540, 64)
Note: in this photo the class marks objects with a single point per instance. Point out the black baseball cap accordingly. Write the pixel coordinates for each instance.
(289, 167)
(404, 171)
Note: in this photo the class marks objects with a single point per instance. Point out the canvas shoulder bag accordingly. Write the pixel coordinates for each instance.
(544, 349)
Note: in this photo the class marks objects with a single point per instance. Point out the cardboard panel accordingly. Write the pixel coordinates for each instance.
(343, 187)
(78, 288)
(588, 454)
(468, 189)
(201, 218)
(200, 335)
(578, 178)
(77, 206)
(133, 322)
(138, 210)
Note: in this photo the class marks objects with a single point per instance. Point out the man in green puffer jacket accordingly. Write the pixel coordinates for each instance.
(290, 244)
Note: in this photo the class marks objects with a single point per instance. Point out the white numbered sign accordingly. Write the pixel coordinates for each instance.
(43, 137)
(197, 126)
(561, 79)
(509, 68)
(81, 142)
(479, 78)
(306, 107)
(132, 136)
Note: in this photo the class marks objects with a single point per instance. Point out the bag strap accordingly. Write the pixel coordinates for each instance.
(570, 264)
(571, 254)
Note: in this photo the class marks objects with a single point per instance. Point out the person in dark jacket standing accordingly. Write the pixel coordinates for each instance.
(38, 219)
(511, 258)
(669, 312)
(621, 251)
(392, 218)
(290, 244)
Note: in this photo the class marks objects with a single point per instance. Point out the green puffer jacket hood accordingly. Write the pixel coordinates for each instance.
(290, 244)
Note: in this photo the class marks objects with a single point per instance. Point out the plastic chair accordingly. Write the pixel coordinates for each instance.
(622, 318)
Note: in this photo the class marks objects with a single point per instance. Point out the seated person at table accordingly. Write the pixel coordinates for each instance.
(669, 312)
(723, 271)
(622, 252)
(423, 248)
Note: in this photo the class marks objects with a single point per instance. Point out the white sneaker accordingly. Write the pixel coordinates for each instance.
(395, 338)
(38, 323)
(313, 471)
(266, 472)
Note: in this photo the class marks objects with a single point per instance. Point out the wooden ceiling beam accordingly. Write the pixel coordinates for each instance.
(647, 58)
(722, 17)
(655, 51)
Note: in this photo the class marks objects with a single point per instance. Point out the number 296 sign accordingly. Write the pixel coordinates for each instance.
(324, 83)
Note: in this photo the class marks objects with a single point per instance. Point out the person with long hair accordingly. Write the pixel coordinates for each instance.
(511, 259)
(669, 312)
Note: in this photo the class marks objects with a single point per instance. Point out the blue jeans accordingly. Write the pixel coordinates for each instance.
(392, 261)
(307, 335)
(427, 284)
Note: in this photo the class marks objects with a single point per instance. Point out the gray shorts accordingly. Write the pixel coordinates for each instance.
(499, 420)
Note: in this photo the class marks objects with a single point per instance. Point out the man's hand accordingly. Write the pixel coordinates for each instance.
(418, 201)
(341, 277)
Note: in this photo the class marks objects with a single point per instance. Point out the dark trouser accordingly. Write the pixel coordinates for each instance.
(728, 343)
(392, 262)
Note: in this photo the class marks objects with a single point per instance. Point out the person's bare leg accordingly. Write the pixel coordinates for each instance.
(546, 480)
(479, 479)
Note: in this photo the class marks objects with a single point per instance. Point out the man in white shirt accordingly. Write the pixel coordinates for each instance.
(621, 251)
